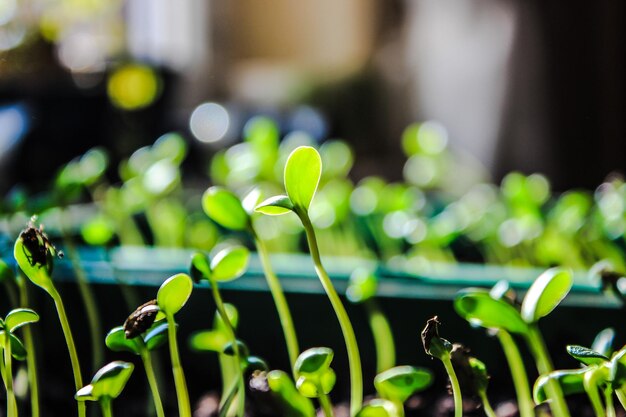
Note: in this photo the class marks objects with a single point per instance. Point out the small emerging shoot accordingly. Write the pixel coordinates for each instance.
(106, 385)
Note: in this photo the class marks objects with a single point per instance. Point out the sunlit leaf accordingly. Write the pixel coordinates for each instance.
(586, 355)
(314, 360)
(209, 340)
(546, 293)
(479, 308)
(302, 174)
(108, 382)
(156, 336)
(200, 268)
(281, 384)
(229, 263)
(224, 208)
(20, 317)
(603, 342)
(379, 408)
(174, 293)
(400, 382)
(362, 286)
(116, 341)
(275, 206)
(570, 380)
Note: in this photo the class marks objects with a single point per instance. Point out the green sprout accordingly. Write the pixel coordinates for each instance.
(543, 296)
(106, 385)
(361, 290)
(301, 177)
(35, 255)
(315, 377)
(13, 347)
(172, 296)
(398, 384)
(224, 208)
(473, 376)
(440, 348)
(290, 403)
(226, 265)
(141, 343)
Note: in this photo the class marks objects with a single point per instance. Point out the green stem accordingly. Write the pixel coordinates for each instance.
(280, 301)
(228, 398)
(325, 403)
(383, 337)
(11, 401)
(219, 303)
(608, 399)
(487, 405)
(456, 388)
(354, 360)
(31, 356)
(71, 347)
(152, 381)
(89, 301)
(596, 402)
(544, 365)
(105, 405)
(621, 396)
(518, 374)
(184, 407)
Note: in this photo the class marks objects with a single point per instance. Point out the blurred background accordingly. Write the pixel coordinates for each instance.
(517, 85)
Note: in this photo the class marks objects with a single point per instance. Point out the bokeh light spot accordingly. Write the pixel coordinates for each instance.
(209, 122)
(133, 87)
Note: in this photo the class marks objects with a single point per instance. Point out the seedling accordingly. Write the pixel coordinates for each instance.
(480, 308)
(13, 347)
(224, 208)
(361, 290)
(172, 296)
(302, 174)
(396, 385)
(141, 342)
(106, 385)
(228, 264)
(472, 374)
(35, 254)
(315, 377)
(291, 402)
(440, 348)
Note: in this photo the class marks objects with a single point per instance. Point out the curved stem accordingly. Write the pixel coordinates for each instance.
(487, 405)
(608, 399)
(184, 407)
(89, 301)
(518, 374)
(71, 347)
(152, 381)
(31, 355)
(354, 360)
(105, 406)
(284, 314)
(544, 365)
(325, 403)
(11, 401)
(383, 336)
(456, 388)
(219, 303)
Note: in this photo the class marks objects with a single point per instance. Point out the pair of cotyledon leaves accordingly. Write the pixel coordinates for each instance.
(303, 171)
(107, 383)
(13, 321)
(544, 295)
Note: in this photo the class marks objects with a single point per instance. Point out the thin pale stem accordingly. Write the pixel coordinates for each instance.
(487, 405)
(11, 401)
(284, 314)
(621, 396)
(31, 355)
(456, 388)
(518, 374)
(227, 400)
(219, 303)
(152, 381)
(383, 336)
(596, 402)
(544, 366)
(325, 403)
(184, 407)
(608, 400)
(71, 346)
(354, 360)
(105, 406)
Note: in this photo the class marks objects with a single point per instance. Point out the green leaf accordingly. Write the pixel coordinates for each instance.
(308, 385)
(546, 293)
(603, 342)
(20, 317)
(275, 206)
(281, 384)
(229, 263)
(233, 317)
(156, 336)
(224, 208)
(570, 380)
(110, 380)
(209, 340)
(38, 272)
(174, 293)
(379, 408)
(313, 361)
(400, 382)
(479, 308)
(586, 355)
(85, 394)
(200, 268)
(116, 341)
(618, 367)
(302, 175)
(18, 351)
